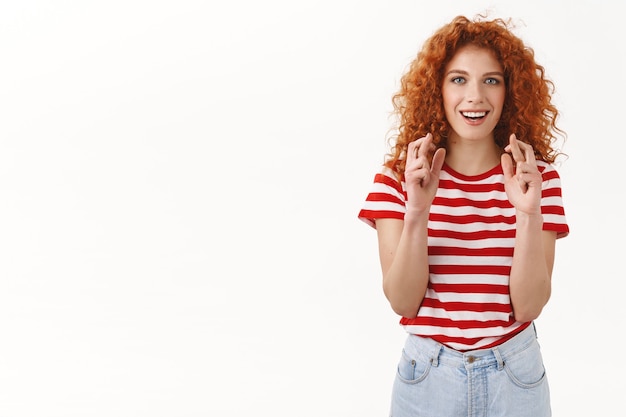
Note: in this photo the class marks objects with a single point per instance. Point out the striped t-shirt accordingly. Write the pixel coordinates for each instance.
(471, 235)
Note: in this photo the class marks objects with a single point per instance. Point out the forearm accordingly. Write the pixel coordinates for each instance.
(530, 281)
(406, 279)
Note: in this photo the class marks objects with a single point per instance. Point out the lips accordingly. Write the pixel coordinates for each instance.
(474, 115)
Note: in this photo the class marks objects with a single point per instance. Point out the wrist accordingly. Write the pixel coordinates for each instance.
(414, 216)
(528, 219)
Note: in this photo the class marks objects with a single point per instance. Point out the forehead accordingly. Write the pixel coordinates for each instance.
(474, 57)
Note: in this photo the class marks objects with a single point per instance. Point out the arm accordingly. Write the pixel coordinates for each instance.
(533, 256)
(403, 251)
(531, 271)
(403, 244)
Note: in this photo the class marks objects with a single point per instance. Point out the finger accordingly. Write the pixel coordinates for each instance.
(413, 148)
(523, 185)
(525, 180)
(527, 167)
(530, 155)
(411, 151)
(516, 151)
(425, 145)
(437, 163)
(507, 165)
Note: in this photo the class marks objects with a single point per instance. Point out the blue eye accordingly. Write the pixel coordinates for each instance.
(492, 81)
(458, 80)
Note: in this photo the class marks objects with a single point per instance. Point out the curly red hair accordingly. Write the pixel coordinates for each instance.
(528, 111)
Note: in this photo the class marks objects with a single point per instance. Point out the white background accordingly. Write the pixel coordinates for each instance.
(179, 186)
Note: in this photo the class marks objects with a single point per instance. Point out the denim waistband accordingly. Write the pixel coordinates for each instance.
(438, 354)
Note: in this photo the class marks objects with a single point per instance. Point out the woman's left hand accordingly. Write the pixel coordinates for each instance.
(522, 180)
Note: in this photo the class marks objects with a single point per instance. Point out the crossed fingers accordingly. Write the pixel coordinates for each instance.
(417, 157)
(525, 163)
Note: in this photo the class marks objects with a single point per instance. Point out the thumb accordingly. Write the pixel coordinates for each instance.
(507, 166)
(437, 162)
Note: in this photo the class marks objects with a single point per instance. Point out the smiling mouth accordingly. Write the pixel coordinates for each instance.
(474, 115)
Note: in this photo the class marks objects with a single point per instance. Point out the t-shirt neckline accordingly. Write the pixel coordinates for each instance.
(493, 171)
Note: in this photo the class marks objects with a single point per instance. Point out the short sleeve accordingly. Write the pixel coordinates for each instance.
(552, 207)
(386, 199)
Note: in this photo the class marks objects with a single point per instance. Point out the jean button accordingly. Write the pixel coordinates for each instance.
(470, 359)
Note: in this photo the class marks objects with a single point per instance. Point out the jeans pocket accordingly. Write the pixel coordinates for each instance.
(526, 369)
(412, 370)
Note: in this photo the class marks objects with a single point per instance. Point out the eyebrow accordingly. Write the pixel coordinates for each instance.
(457, 71)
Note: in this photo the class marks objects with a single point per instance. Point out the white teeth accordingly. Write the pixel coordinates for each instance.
(474, 113)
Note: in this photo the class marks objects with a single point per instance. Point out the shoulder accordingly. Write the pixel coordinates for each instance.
(548, 171)
(386, 199)
(389, 178)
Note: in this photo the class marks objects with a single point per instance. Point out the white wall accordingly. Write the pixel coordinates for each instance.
(179, 185)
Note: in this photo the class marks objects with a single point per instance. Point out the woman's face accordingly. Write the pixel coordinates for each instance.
(473, 93)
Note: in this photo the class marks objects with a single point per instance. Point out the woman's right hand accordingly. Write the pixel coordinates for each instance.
(420, 176)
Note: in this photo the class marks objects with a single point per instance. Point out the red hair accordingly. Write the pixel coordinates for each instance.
(528, 111)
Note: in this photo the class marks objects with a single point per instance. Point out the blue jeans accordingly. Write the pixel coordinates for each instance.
(436, 381)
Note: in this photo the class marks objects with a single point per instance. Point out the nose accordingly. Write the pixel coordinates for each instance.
(474, 92)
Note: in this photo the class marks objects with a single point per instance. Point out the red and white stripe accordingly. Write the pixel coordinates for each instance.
(471, 235)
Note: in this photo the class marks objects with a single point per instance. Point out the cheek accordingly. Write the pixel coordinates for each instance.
(497, 102)
(449, 103)
(500, 99)
(449, 112)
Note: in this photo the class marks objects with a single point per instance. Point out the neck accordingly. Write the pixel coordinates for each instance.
(472, 157)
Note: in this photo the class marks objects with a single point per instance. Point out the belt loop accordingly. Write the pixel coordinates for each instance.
(435, 359)
(499, 359)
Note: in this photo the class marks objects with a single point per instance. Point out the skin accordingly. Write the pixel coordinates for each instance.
(473, 82)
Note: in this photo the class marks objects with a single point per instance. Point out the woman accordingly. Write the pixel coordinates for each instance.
(467, 209)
